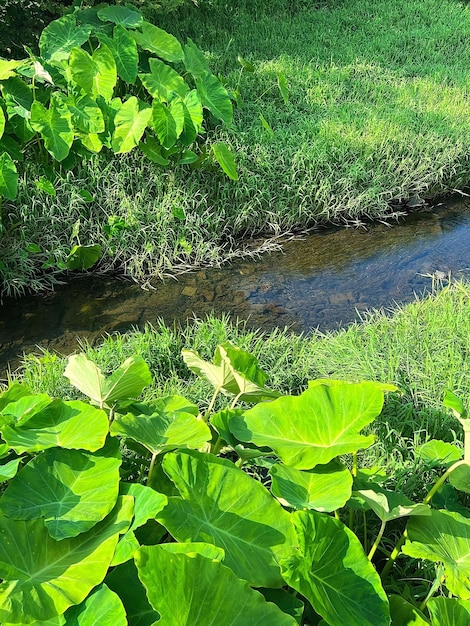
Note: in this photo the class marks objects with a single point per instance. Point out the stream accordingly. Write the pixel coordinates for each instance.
(325, 280)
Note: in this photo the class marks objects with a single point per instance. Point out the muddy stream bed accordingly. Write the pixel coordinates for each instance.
(323, 280)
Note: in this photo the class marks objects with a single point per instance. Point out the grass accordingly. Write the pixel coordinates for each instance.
(378, 111)
(423, 348)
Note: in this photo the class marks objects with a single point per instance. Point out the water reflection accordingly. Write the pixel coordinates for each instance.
(324, 280)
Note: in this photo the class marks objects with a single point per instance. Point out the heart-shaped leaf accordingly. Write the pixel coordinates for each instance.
(215, 97)
(130, 123)
(222, 505)
(331, 570)
(449, 611)
(443, 537)
(164, 124)
(61, 36)
(87, 116)
(124, 580)
(96, 74)
(315, 427)
(54, 125)
(324, 488)
(163, 82)
(159, 42)
(124, 49)
(127, 381)
(8, 177)
(102, 607)
(71, 425)
(52, 575)
(83, 257)
(167, 576)
(70, 489)
(388, 505)
(171, 424)
(439, 452)
(123, 15)
(225, 159)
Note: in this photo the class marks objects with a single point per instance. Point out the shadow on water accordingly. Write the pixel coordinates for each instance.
(324, 280)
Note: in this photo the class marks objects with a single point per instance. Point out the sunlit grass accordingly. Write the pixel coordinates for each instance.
(378, 111)
(423, 348)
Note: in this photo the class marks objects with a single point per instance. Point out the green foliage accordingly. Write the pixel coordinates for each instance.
(198, 534)
(105, 79)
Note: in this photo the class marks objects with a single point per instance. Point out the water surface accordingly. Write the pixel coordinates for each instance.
(324, 280)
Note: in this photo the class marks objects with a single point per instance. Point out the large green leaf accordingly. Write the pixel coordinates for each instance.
(194, 60)
(54, 125)
(225, 159)
(8, 67)
(86, 114)
(443, 537)
(169, 426)
(193, 117)
(325, 488)
(71, 424)
(437, 452)
(127, 381)
(315, 427)
(18, 97)
(163, 82)
(215, 97)
(20, 411)
(158, 41)
(217, 596)
(14, 392)
(164, 124)
(42, 577)
(222, 505)
(331, 570)
(102, 607)
(96, 74)
(449, 611)
(460, 478)
(153, 151)
(8, 177)
(9, 469)
(124, 16)
(70, 489)
(388, 505)
(405, 614)
(83, 257)
(60, 36)
(147, 503)
(124, 49)
(234, 372)
(124, 580)
(129, 125)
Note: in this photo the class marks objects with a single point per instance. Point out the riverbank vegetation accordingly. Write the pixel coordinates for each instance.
(422, 348)
(349, 487)
(341, 110)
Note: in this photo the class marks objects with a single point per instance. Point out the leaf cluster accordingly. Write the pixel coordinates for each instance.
(106, 79)
(196, 538)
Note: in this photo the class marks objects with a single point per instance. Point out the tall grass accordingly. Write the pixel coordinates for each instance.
(423, 348)
(378, 111)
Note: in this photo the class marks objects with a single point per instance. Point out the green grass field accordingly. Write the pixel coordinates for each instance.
(378, 111)
(423, 348)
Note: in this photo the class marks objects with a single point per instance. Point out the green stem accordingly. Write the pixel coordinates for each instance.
(152, 465)
(364, 521)
(441, 480)
(212, 402)
(235, 400)
(427, 500)
(434, 586)
(377, 540)
(215, 449)
(354, 464)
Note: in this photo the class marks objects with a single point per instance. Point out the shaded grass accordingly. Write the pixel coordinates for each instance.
(423, 348)
(378, 111)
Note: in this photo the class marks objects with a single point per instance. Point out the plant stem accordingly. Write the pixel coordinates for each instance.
(235, 400)
(441, 480)
(434, 586)
(377, 540)
(215, 449)
(152, 465)
(212, 402)
(396, 551)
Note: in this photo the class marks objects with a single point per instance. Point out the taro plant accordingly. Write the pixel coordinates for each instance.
(107, 80)
(123, 511)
